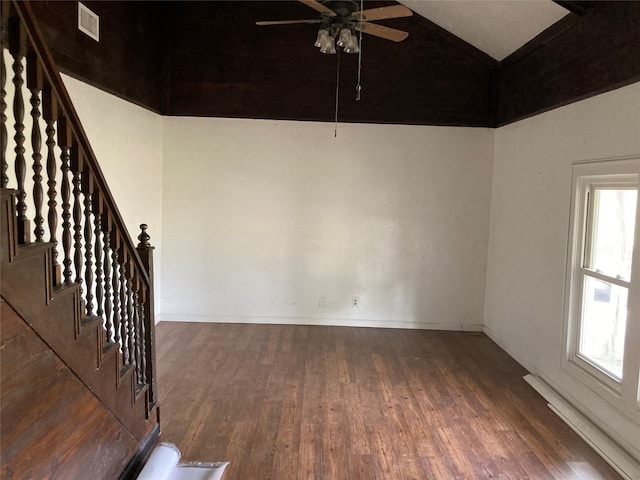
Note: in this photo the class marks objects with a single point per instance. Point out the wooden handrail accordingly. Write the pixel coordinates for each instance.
(65, 106)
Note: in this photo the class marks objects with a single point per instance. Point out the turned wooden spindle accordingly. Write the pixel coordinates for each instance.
(3, 128)
(34, 83)
(97, 251)
(143, 344)
(138, 338)
(65, 141)
(20, 165)
(106, 228)
(88, 250)
(115, 288)
(133, 327)
(65, 193)
(52, 217)
(77, 221)
(123, 312)
(129, 326)
(50, 116)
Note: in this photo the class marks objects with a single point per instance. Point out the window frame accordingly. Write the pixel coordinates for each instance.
(624, 393)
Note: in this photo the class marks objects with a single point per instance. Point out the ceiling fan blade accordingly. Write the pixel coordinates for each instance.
(287, 22)
(317, 6)
(381, 31)
(394, 11)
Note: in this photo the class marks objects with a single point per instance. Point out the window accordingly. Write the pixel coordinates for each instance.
(603, 317)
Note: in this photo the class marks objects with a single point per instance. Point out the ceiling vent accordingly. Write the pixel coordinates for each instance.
(88, 22)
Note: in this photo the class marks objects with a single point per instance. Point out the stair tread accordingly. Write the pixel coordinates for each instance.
(89, 320)
(65, 287)
(141, 388)
(109, 348)
(30, 249)
(8, 192)
(126, 370)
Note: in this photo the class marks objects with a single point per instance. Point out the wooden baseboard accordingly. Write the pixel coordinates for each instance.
(606, 447)
(136, 463)
(334, 322)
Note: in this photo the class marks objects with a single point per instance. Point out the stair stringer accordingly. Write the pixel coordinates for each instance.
(52, 425)
(55, 314)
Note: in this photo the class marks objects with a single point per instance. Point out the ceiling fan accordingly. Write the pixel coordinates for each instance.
(341, 18)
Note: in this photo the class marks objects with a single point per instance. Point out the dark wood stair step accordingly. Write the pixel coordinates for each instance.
(110, 348)
(90, 320)
(31, 249)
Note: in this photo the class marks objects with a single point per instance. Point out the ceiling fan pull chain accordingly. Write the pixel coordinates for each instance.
(335, 132)
(358, 86)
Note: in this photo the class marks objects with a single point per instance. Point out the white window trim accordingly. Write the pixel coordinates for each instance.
(624, 395)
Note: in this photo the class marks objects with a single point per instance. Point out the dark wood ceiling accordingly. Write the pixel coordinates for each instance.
(222, 64)
(210, 59)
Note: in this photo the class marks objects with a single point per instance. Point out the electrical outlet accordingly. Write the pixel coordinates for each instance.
(355, 301)
(322, 302)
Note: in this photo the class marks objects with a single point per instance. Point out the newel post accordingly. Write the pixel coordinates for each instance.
(145, 250)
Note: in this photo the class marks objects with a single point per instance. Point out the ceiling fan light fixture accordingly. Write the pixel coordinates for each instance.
(342, 18)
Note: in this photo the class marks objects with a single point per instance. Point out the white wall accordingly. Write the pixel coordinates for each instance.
(127, 141)
(529, 229)
(262, 218)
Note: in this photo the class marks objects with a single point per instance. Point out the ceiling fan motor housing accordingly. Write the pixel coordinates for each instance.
(342, 19)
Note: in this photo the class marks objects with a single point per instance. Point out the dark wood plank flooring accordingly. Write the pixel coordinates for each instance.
(304, 402)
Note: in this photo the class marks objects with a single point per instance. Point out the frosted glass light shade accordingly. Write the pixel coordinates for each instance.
(323, 35)
(352, 45)
(329, 46)
(344, 38)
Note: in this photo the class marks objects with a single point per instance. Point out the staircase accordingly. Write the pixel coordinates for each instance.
(73, 284)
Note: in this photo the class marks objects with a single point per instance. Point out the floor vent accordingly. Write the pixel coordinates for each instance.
(88, 22)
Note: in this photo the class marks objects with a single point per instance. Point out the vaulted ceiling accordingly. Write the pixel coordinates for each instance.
(498, 28)
(472, 63)
(276, 72)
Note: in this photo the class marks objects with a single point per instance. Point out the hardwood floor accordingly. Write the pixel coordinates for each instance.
(303, 402)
